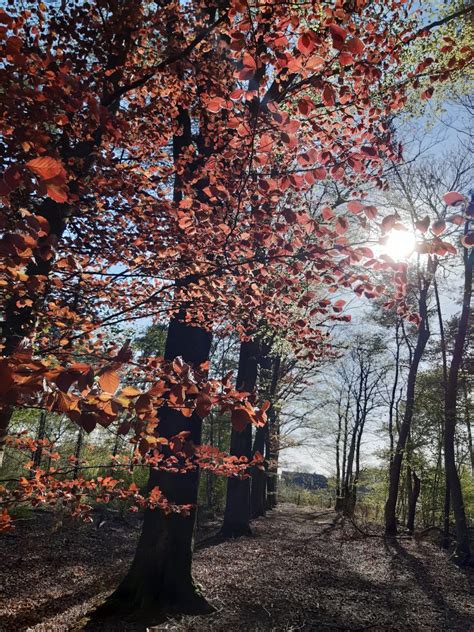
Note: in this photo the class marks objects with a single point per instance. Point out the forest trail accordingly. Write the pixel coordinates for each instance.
(301, 570)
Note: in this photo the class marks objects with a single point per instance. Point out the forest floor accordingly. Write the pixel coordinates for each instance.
(300, 570)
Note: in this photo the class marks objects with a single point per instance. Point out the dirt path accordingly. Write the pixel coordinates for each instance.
(301, 570)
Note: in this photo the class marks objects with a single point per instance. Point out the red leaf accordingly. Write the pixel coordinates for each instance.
(370, 212)
(468, 240)
(305, 44)
(453, 198)
(329, 96)
(327, 213)
(356, 46)
(458, 220)
(355, 206)
(305, 105)
(249, 62)
(423, 225)
(337, 31)
(320, 173)
(346, 59)
(46, 168)
(203, 405)
(240, 419)
(341, 225)
(88, 421)
(216, 104)
(388, 222)
(449, 247)
(438, 227)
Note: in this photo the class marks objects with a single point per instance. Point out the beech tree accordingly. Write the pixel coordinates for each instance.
(237, 510)
(154, 159)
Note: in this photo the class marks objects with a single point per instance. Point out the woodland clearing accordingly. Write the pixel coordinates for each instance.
(300, 570)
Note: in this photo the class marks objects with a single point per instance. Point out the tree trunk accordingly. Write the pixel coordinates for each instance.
(348, 500)
(78, 451)
(257, 492)
(393, 395)
(273, 438)
(338, 503)
(237, 509)
(463, 551)
(38, 453)
(160, 578)
(209, 475)
(467, 419)
(412, 500)
(340, 500)
(446, 515)
(396, 465)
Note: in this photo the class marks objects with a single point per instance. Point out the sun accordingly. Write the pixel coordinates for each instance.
(400, 245)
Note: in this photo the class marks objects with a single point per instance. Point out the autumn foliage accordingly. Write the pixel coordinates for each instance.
(175, 160)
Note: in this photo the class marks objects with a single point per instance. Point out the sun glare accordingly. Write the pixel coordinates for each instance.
(400, 244)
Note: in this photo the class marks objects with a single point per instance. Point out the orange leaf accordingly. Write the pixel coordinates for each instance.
(109, 380)
(130, 391)
(45, 167)
(57, 192)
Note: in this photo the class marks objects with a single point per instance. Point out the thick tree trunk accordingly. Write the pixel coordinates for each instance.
(396, 465)
(6, 413)
(463, 551)
(237, 509)
(160, 578)
(20, 322)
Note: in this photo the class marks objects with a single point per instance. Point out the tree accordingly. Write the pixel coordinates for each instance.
(358, 384)
(423, 334)
(237, 510)
(451, 397)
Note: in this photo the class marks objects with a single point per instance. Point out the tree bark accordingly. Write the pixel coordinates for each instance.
(446, 515)
(395, 468)
(160, 578)
(258, 486)
(463, 551)
(413, 499)
(78, 451)
(38, 453)
(338, 462)
(273, 438)
(393, 395)
(237, 509)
